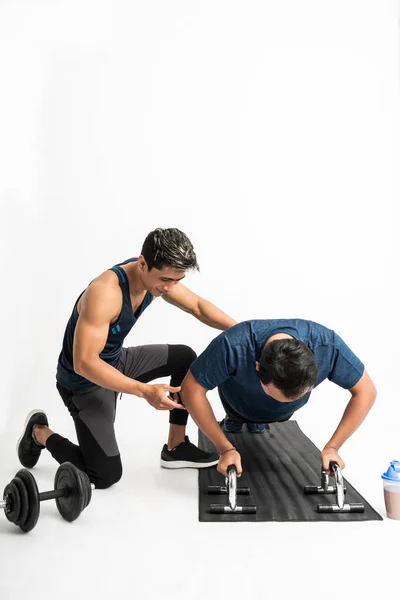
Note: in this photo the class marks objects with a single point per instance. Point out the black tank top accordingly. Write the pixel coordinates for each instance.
(117, 332)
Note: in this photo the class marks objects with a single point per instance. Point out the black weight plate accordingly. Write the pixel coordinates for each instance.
(87, 487)
(33, 499)
(85, 490)
(67, 478)
(24, 501)
(79, 474)
(11, 496)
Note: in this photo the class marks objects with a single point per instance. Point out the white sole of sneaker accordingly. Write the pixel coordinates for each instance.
(33, 412)
(182, 464)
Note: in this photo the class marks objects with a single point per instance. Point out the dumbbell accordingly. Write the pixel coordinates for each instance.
(21, 497)
(232, 491)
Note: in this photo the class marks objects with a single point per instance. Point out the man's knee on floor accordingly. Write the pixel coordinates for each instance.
(106, 476)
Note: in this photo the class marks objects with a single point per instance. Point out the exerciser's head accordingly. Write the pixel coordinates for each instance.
(287, 369)
(165, 257)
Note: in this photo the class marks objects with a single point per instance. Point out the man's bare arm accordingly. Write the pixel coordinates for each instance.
(195, 400)
(363, 396)
(98, 307)
(200, 308)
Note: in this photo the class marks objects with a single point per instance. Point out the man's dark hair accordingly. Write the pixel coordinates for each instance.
(290, 365)
(169, 248)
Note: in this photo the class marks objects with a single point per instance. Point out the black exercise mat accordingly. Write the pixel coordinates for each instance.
(277, 464)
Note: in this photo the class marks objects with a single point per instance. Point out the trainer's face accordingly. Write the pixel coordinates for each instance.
(276, 393)
(160, 281)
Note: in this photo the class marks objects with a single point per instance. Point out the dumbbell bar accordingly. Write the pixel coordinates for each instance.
(21, 498)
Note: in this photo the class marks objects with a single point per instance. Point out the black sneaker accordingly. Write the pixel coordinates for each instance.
(187, 454)
(28, 450)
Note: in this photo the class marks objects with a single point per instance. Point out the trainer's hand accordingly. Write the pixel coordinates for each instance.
(156, 396)
(229, 458)
(329, 454)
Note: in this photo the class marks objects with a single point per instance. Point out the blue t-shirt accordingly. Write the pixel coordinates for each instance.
(229, 362)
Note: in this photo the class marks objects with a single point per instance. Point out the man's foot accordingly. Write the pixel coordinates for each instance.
(232, 426)
(255, 427)
(187, 454)
(27, 448)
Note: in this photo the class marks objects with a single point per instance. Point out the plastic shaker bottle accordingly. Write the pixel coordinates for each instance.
(391, 490)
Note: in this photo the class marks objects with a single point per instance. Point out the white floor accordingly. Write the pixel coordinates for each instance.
(266, 131)
(142, 538)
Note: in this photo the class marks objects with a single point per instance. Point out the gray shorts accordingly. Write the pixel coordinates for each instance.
(96, 407)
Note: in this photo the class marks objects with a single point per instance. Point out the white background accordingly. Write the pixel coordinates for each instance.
(268, 132)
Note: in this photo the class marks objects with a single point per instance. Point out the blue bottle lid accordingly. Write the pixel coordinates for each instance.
(393, 472)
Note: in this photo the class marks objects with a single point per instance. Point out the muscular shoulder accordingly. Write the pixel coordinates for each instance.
(102, 299)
